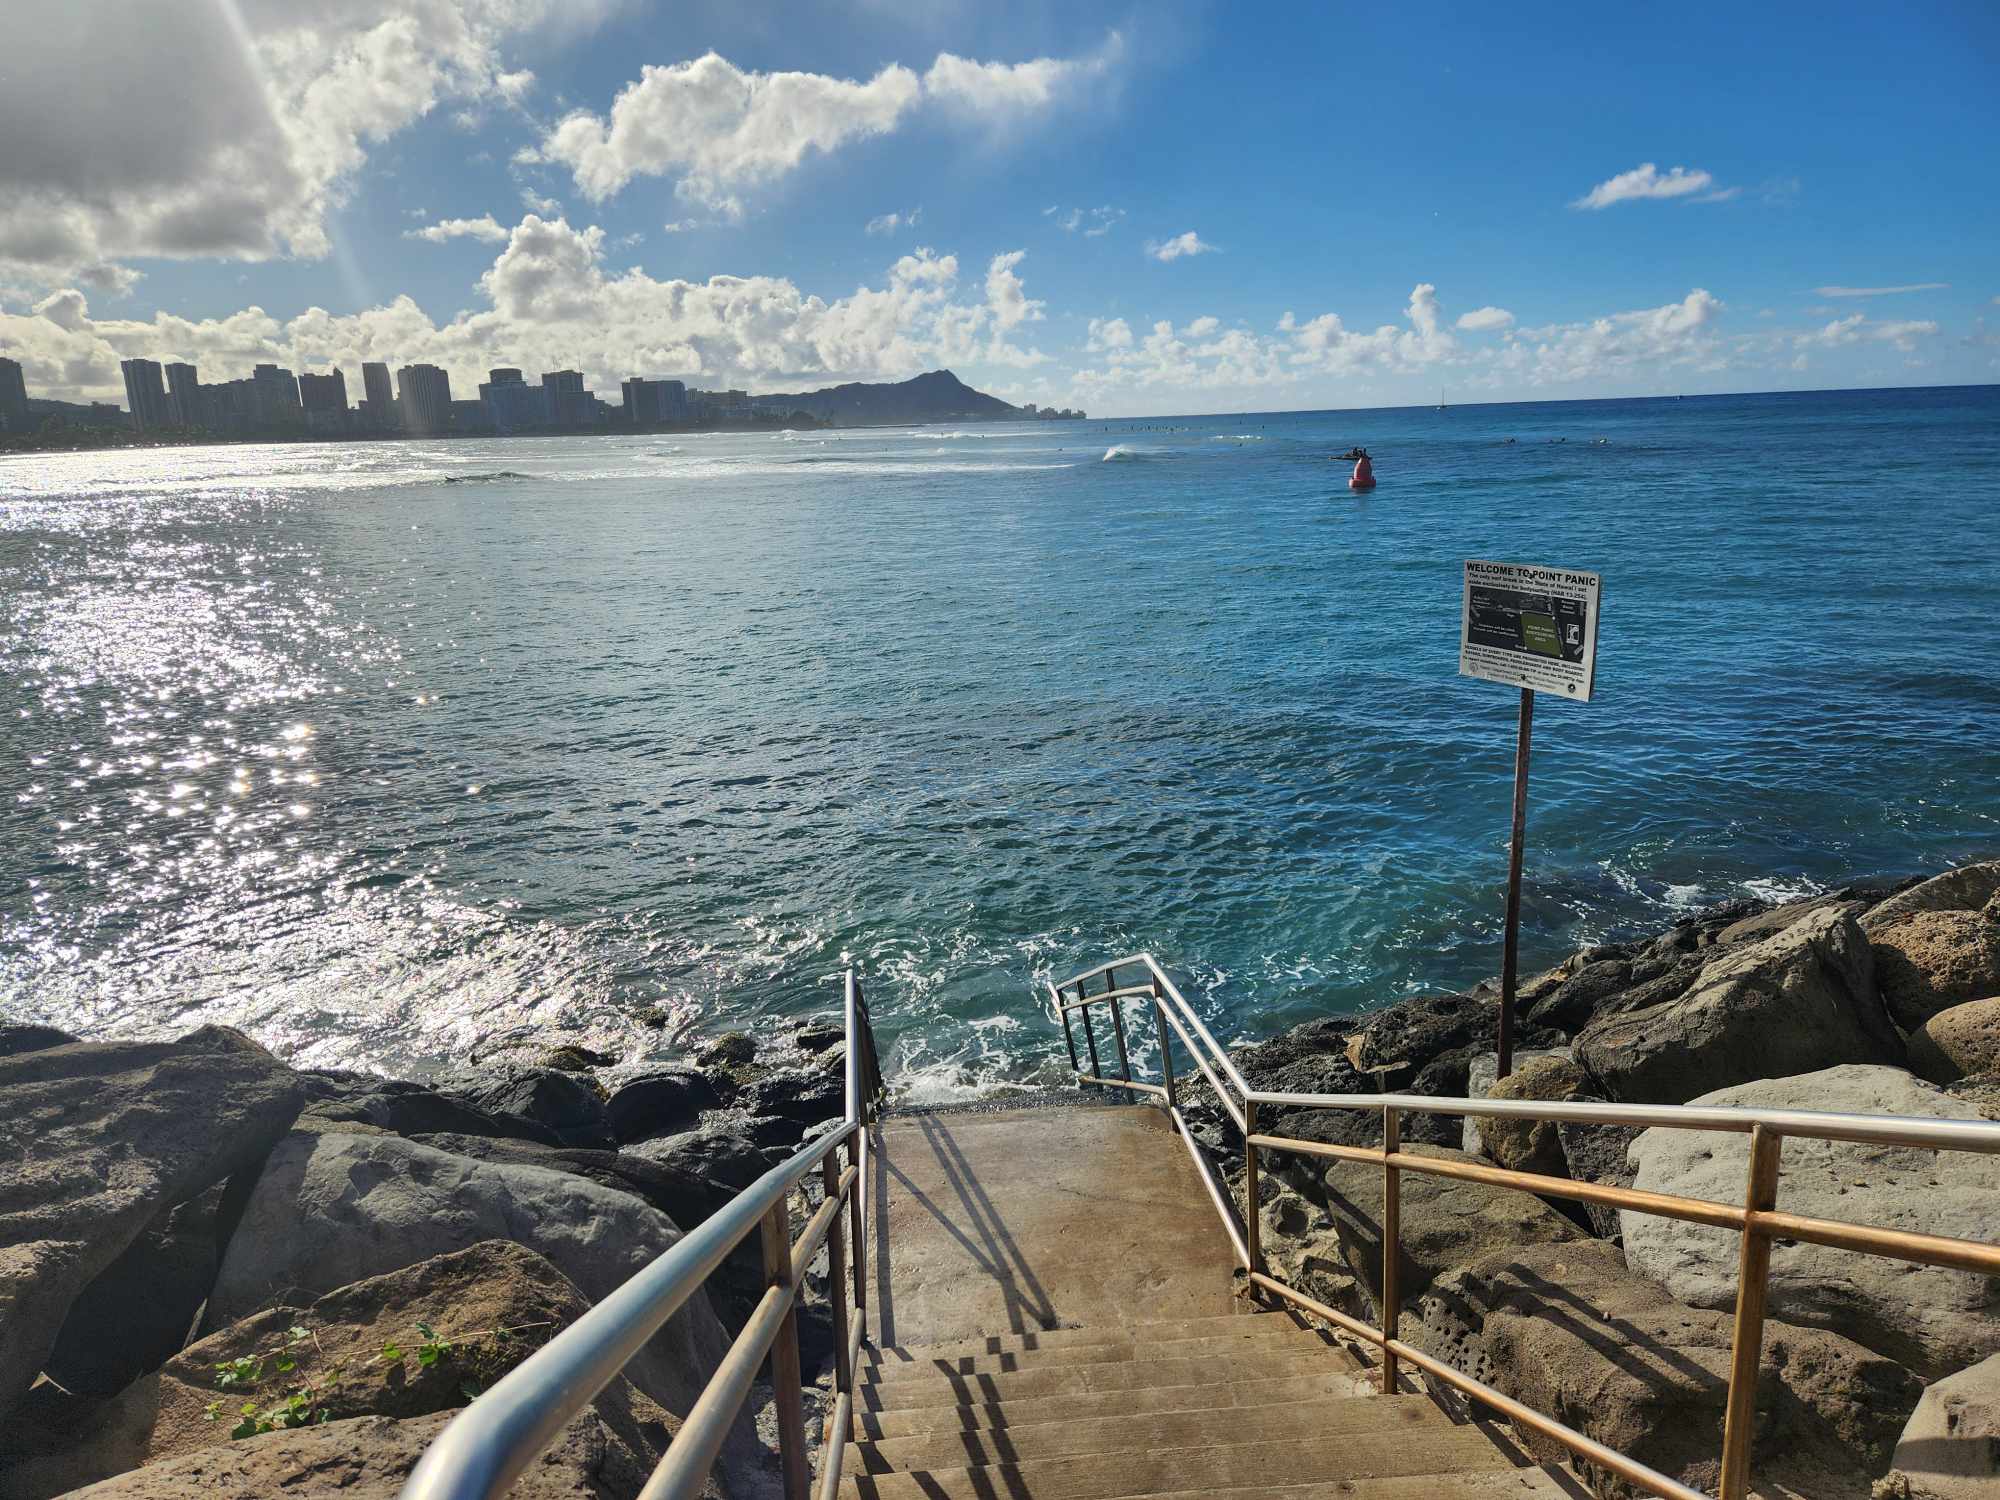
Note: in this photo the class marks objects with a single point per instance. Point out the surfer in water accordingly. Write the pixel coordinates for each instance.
(1350, 455)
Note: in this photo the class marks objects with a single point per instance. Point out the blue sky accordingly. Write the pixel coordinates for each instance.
(1344, 184)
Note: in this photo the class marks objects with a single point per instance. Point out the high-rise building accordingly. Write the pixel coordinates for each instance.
(378, 402)
(277, 396)
(425, 392)
(145, 394)
(324, 398)
(570, 405)
(511, 404)
(184, 395)
(13, 397)
(648, 402)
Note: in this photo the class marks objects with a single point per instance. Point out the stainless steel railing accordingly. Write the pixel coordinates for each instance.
(488, 1445)
(1757, 1220)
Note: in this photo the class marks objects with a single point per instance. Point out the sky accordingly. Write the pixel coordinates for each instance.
(1178, 207)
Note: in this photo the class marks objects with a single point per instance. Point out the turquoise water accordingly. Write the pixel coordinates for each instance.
(389, 752)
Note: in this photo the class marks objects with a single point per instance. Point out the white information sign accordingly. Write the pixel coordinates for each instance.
(1530, 627)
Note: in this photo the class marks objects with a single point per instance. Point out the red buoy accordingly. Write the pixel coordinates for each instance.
(1364, 475)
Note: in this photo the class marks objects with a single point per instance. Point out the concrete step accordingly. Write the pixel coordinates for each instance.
(1431, 1451)
(1263, 1335)
(1094, 1333)
(939, 1389)
(1337, 1379)
(1504, 1484)
(1325, 1418)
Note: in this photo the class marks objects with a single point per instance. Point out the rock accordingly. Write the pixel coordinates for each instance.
(1950, 1448)
(733, 1049)
(561, 1102)
(1930, 1319)
(819, 1034)
(138, 1312)
(663, 1101)
(1967, 888)
(1448, 1077)
(1570, 1332)
(376, 1203)
(1981, 1093)
(1956, 1042)
(1799, 1000)
(98, 1139)
(1481, 1070)
(1755, 928)
(17, 1037)
(1931, 961)
(1570, 1007)
(1596, 1153)
(1311, 1058)
(1532, 1145)
(725, 1154)
(686, 1197)
(606, 1454)
(1400, 1040)
(1445, 1222)
(575, 1058)
(340, 1099)
(800, 1096)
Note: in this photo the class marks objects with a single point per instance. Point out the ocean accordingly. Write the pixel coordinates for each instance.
(390, 753)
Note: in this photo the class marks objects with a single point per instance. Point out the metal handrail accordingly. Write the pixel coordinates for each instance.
(1757, 1221)
(485, 1448)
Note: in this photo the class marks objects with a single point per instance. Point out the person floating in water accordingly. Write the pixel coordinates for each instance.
(1351, 453)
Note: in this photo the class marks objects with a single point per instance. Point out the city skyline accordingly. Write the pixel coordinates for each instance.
(1182, 211)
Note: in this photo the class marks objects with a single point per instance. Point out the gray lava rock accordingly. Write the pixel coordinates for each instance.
(733, 1049)
(1931, 1319)
(801, 1096)
(1799, 1000)
(17, 1037)
(561, 1102)
(664, 1101)
(1596, 1153)
(397, 1107)
(97, 1140)
(724, 1153)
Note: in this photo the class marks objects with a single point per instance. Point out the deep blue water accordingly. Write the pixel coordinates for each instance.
(381, 766)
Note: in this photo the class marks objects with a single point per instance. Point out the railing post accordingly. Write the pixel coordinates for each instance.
(836, 1276)
(857, 1158)
(1089, 1036)
(1753, 1270)
(1069, 1036)
(1252, 1220)
(1118, 1023)
(787, 1383)
(1166, 1052)
(1392, 1246)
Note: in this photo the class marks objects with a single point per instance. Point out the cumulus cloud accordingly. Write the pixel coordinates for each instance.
(485, 227)
(891, 222)
(1883, 291)
(1109, 333)
(1486, 319)
(549, 301)
(1857, 327)
(225, 130)
(720, 130)
(1189, 243)
(1645, 181)
(1201, 328)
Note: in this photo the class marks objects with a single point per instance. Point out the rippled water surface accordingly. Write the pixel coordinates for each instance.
(388, 751)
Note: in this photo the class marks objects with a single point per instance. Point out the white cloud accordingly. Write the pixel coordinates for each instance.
(1882, 291)
(548, 300)
(485, 227)
(1644, 181)
(537, 203)
(1201, 328)
(1486, 319)
(1189, 243)
(891, 222)
(1094, 222)
(223, 129)
(1109, 333)
(1856, 327)
(1677, 334)
(721, 130)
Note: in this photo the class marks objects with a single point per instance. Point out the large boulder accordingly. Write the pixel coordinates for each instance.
(17, 1037)
(1957, 1043)
(1799, 1000)
(1929, 1318)
(1446, 1222)
(340, 1101)
(722, 1152)
(801, 1096)
(1571, 1332)
(553, 1098)
(1524, 1145)
(491, 1306)
(97, 1140)
(1596, 1153)
(687, 1197)
(661, 1101)
(605, 1454)
(1930, 961)
(1967, 888)
(330, 1209)
(1950, 1448)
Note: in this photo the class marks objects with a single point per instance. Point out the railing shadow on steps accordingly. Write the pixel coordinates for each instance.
(484, 1449)
(1757, 1220)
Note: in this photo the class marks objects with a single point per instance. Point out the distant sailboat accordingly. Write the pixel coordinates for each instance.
(1441, 405)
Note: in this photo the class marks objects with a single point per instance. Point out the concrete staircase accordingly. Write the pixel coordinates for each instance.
(1089, 1219)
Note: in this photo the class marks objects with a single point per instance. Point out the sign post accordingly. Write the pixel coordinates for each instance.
(1535, 629)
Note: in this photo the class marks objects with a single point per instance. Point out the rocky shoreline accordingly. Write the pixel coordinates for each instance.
(1877, 1375)
(225, 1276)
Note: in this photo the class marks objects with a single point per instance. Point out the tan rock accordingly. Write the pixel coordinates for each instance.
(1958, 1042)
(1950, 1448)
(1930, 961)
(1532, 1145)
